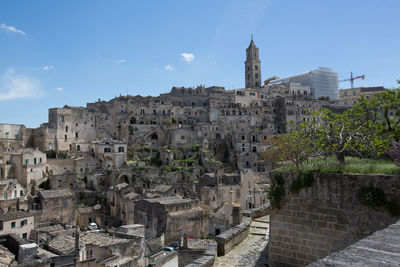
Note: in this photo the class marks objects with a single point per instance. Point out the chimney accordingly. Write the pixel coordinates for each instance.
(185, 241)
(76, 245)
(236, 215)
(232, 197)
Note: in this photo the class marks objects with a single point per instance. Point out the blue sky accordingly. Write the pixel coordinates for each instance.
(54, 53)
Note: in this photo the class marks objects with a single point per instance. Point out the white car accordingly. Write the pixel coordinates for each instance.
(93, 226)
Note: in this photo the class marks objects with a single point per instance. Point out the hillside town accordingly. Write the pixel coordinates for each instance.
(121, 182)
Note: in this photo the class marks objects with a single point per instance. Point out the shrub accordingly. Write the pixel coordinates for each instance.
(276, 192)
(305, 179)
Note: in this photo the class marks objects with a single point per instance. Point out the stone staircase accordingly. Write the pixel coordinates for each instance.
(260, 226)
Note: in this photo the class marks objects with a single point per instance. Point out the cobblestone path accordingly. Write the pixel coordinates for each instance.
(253, 251)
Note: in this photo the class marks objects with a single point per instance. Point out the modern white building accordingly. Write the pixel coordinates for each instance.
(323, 82)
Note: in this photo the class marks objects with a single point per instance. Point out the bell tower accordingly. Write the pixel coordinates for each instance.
(252, 66)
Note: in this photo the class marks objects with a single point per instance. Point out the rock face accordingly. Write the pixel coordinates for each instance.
(326, 217)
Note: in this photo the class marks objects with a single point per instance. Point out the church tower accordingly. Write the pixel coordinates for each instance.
(252, 66)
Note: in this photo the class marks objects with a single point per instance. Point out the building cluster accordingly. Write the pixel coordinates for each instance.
(107, 184)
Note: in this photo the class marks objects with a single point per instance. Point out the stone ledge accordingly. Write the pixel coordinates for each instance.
(257, 212)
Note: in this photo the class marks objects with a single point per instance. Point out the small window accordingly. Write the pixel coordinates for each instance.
(76, 135)
(34, 160)
(21, 193)
(40, 160)
(182, 137)
(256, 67)
(121, 149)
(24, 235)
(78, 147)
(23, 223)
(65, 137)
(27, 162)
(12, 224)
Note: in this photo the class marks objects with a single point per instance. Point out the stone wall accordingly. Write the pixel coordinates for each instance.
(228, 239)
(258, 212)
(326, 217)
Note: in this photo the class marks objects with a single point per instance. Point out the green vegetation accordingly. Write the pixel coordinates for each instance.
(305, 179)
(367, 131)
(375, 198)
(276, 192)
(80, 180)
(212, 160)
(353, 165)
(141, 168)
(80, 205)
(52, 154)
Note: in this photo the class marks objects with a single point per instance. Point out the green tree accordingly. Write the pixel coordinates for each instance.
(294, 147)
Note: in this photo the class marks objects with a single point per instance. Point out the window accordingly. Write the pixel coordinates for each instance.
(65, 137)
(6, 135)
(256, 67)
(256, 75)
(66, 129)
(182, 137)
(24, 235)
(26, 161)
(89, 254)
(62, 118)
(21, 193)
(12, 224)
(40, 160)
(107, 150)
(23, 223)
(76, 135)
(34, 160)
(121, 149)
(78, 147)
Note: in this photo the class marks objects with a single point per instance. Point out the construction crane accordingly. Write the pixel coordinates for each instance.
(353, 78)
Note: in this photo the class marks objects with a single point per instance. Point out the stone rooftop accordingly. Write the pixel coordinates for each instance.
(16, 215)
(382, 248)
(56, 193)
(66, 244)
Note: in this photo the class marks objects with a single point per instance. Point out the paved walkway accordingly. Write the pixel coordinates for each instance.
(253, 251)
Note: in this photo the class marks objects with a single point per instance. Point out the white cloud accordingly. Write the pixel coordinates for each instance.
(11, 29)
(169, 67)
(60, 89)
(188, 57)
(120, 60)
(13, 86)
(50, 67)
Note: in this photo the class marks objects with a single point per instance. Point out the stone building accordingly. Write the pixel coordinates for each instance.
(57, 204)
(170, 216)
(11, 189)
(20, 223)
(29, 165)
(351, 95)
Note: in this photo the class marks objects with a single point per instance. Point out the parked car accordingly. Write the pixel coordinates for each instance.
(168, 249)
(93, 226)
(174, 245)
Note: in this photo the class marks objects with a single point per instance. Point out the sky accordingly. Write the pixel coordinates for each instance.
(56, 53)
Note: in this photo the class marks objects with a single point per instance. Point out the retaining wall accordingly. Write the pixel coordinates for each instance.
(233, 236)
(326, 217)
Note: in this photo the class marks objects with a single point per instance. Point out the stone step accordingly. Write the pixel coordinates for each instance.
(264, 219)
(259, 224)
(258, 232)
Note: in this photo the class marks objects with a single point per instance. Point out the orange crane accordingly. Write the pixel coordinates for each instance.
(353, 78)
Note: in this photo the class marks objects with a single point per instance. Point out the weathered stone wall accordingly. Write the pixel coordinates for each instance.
(228, 239)
(258, 212)
(326, 217)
